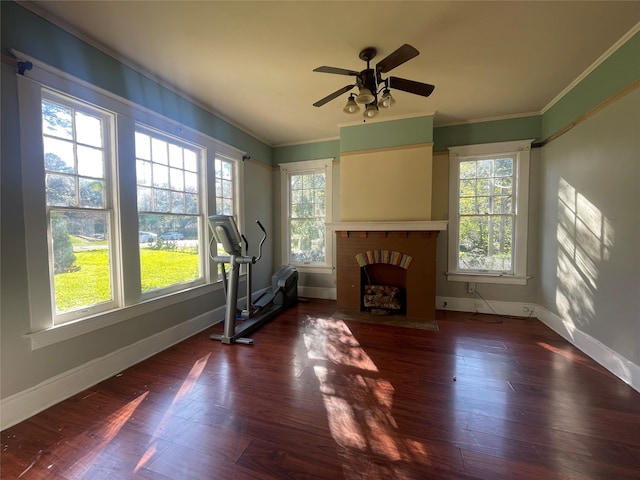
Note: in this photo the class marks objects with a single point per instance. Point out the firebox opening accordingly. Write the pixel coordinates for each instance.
(382, 289)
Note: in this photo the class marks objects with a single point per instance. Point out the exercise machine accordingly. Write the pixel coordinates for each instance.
(284, 283)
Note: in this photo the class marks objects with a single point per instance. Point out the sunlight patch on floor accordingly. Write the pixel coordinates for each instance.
(186, 387)
(359, 404)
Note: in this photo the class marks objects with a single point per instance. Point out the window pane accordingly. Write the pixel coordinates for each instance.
(143, 146)
(177, 179)
(175, 156)
(160, 176)
(177, 202)
(174, 257)
(227, 189)
(58, 155)
(61, 190)
(191, 203)
(190, 160)
(227, 207)
(191, 182)
(502, 205)
(143, 172)
(161, 201)
(56, 120)
(88, 130)
(81, 259)
(504, 167)
(226, 170)
(90, 162)
(159, 151)
(484, 168)
(145, 203)
(91, 193)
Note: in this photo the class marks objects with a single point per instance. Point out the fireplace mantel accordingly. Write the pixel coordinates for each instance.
(396, 226)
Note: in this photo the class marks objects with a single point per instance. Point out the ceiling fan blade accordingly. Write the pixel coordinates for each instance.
(339, 71)
(404, 53)
(335, 94)
(418, 88)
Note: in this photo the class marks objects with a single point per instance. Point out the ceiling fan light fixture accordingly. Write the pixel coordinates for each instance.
(371, 110)
(351, 106)
(386, 100)
(365, 96)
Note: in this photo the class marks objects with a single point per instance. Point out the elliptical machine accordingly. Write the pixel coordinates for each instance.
(284, 283)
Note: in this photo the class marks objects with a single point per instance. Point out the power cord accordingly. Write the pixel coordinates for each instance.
(497, 314)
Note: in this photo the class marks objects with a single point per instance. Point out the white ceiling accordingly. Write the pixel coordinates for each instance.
(251, 62)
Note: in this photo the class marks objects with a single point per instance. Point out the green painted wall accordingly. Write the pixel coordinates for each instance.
(611, 76)
(27, 32)
(393, 133)
(307, 151)
(487, 132)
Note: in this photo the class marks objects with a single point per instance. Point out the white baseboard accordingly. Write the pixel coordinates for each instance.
(515, 309)
(27, 403)
(624, 369)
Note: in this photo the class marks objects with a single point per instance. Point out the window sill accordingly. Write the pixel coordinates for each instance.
(487, 278)
(66, 331)
(324, 269)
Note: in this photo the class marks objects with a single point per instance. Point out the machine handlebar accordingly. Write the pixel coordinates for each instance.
(264, 237)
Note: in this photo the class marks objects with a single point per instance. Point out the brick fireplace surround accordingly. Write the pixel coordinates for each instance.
(413, 239)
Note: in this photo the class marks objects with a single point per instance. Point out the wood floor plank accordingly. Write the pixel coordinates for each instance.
(484, 397)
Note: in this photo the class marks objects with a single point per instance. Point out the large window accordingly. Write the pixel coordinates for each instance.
(115, 201)
(169, 212)
(488, 212)
(307, 205)
(77, 160)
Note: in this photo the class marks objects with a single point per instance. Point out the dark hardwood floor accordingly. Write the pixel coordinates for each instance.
(482, 398)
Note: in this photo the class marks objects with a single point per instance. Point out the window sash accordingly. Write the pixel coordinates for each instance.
(77, 165)
(169, 211)
(308, 185)
(489, 212)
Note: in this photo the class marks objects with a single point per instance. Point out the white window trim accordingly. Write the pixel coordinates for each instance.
(309, 166)
(42, 331)
(520, 150)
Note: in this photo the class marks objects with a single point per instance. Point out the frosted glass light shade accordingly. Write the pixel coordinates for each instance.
(351, 106)
(387, 100)
(365, 96)
(371, 111)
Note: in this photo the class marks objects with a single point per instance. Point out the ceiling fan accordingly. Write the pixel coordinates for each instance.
(370, 82)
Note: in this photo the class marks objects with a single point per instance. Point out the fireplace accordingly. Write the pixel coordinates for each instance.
(396, 254)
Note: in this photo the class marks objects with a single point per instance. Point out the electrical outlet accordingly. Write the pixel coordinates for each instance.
(444, 304)
(472, 288)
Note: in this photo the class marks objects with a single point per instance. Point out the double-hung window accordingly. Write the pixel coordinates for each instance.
(169, 211)
(489, 194)
(307, 207)
(77, 158)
